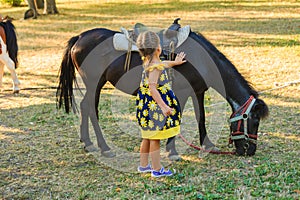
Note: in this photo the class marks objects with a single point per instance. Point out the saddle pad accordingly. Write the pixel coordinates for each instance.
(121, 42)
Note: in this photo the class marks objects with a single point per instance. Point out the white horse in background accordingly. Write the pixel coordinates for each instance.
(8, 51)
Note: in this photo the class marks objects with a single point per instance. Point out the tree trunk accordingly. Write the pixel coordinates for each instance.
(16, 2)
(32, 5)
(40, 4)
(50, 7)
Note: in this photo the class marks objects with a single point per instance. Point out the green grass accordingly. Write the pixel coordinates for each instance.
(40, 153)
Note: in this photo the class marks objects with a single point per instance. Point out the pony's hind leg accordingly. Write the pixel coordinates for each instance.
(105, 150)
(88, 112)
(11, 67)
(84, 127)
(88, 109)
(1, 73)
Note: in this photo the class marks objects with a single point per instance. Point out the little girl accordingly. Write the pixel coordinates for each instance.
(158, 110)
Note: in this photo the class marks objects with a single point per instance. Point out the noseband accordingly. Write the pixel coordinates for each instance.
(238, 134)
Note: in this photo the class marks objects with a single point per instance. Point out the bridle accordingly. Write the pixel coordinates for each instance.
(244, 111)
(237, 135)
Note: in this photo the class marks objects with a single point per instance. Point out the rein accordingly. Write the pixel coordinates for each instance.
(205, 150)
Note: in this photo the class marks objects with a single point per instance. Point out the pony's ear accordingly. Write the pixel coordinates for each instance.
(261, 108)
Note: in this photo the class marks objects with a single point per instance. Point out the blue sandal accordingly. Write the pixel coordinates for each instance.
(161, 173)
(144, 169)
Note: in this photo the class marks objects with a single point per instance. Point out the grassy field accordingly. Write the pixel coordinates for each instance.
(40, 153)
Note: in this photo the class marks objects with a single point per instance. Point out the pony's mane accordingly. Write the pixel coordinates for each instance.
(217, 56)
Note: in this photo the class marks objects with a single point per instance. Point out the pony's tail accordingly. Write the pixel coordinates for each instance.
(11, 41)
(64, 93)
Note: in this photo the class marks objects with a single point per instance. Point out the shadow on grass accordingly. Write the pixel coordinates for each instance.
(48, 161)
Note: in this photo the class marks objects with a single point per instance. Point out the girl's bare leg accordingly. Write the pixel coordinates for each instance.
(144, 152)
(155, 154)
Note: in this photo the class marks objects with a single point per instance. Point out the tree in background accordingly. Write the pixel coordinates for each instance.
(32, 12)
(12, 2)
(48, 5)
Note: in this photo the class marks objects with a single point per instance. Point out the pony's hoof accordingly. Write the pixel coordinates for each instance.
(175, 158)
(90, 148)
(16, 91)
(108, 154)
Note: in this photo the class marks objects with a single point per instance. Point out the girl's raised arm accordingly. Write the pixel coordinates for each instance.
(178, 60)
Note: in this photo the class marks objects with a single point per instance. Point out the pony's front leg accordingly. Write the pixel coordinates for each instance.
(170, 147)
(11, 67)
(198, 103)
(182, 96)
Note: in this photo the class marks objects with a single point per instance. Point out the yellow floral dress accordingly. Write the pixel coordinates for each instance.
(154, 125)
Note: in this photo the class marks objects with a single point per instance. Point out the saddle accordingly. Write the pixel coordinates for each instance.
(170, 38)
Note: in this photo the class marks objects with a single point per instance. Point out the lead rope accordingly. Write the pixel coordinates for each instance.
(204, 150)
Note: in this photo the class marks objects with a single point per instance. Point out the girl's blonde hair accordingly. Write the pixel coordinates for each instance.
(147, 42)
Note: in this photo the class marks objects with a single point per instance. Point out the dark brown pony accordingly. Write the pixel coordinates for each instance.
(8, 51)
(92, 54)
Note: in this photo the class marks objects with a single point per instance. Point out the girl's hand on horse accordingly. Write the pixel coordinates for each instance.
(180, 58)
